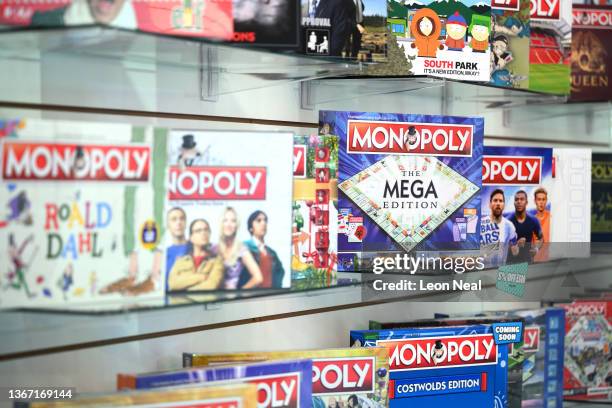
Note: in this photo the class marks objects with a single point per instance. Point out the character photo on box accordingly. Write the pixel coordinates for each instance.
(406, 181)
(448, 39)
(353, 29)
(82, 220)
(315, 231)
(550, 46)
(510, 44)
(228, 210)
(516, 206)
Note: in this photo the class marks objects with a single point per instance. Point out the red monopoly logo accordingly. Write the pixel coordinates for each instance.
(585, 308)
(532, 339)
(217, 183)
(213, 403)
(591, 18)
(343, 375)
(439, 139)
(417, 354)
(511, 170)
(278, 391)
(512, 5)
(70, 161)
(545, 9)
(299, 161)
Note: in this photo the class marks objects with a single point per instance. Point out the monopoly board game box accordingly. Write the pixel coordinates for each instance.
(588, 338)
(541, 353)
(228, 210)
(510, 43)
(437, 366)
(279, 384)
(516, 204)
(406, 181)
(315, 213)
(515, 353)
(218, 396)
(444, 38)
(340, 377)
(601, 198)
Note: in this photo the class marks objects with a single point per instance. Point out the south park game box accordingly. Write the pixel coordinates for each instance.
(541, 353)
(435, 366)
(447, 39)
(340, 377)
(284, 384)
(214, 396)
(406, 181)
(588, 338)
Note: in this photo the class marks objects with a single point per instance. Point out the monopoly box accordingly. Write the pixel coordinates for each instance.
(588, 338)
(601, 198)
(540, 353)
(434, 366)
(357, 377)
(217, 396)
(279, 384)
(515, 354)
(406, 181)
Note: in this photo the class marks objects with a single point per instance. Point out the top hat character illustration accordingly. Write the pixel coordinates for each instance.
(188, 142)
(438, 352)
(412, 136)
(189, 155)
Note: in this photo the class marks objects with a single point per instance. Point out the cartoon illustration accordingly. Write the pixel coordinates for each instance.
(17, 276)
(456, 27)
(426, 27)
(20, 207)
(66, 280)
(189, 155)
(501, 55)
(479, 29)
(438, 352)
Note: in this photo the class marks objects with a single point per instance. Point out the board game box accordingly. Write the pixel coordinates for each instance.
(279, 384)
(340, 377)
(588, 338)
(447, 39)
(227, 200)
(517, 182)
(218, 396)
(510, 43)
(315, 200)
(437, 366)
(515, 354)
(550, 46)
(540, 353)
(601, 198)
(406, 181)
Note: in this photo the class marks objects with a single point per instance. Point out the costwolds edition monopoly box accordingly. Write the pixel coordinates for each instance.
(279, 384)
(406, 181)
(356, 376)
(588, 336)
(217, 396)
(541, 351)
(465, 365)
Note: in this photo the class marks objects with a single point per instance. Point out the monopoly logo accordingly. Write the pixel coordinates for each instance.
(278, 391)
(512, 5)
(545, 9)
(586, 309)
(591, 18)
(70, 161)
(511, 170)
(532, 339)
(212, 403)
(217, 183)
(437, 139)
(602, 171)
(343, 375)
(417, 354)
(299, 161)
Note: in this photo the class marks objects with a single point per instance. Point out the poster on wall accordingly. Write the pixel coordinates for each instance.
(81, 217)
(449, 39)
(601, 198)
(353, 29)
(406, 182)
(315, 200)
(510, 43)
(228, 210)
(591, 53)
(550, 45)
(516, 204)
(197, 18)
